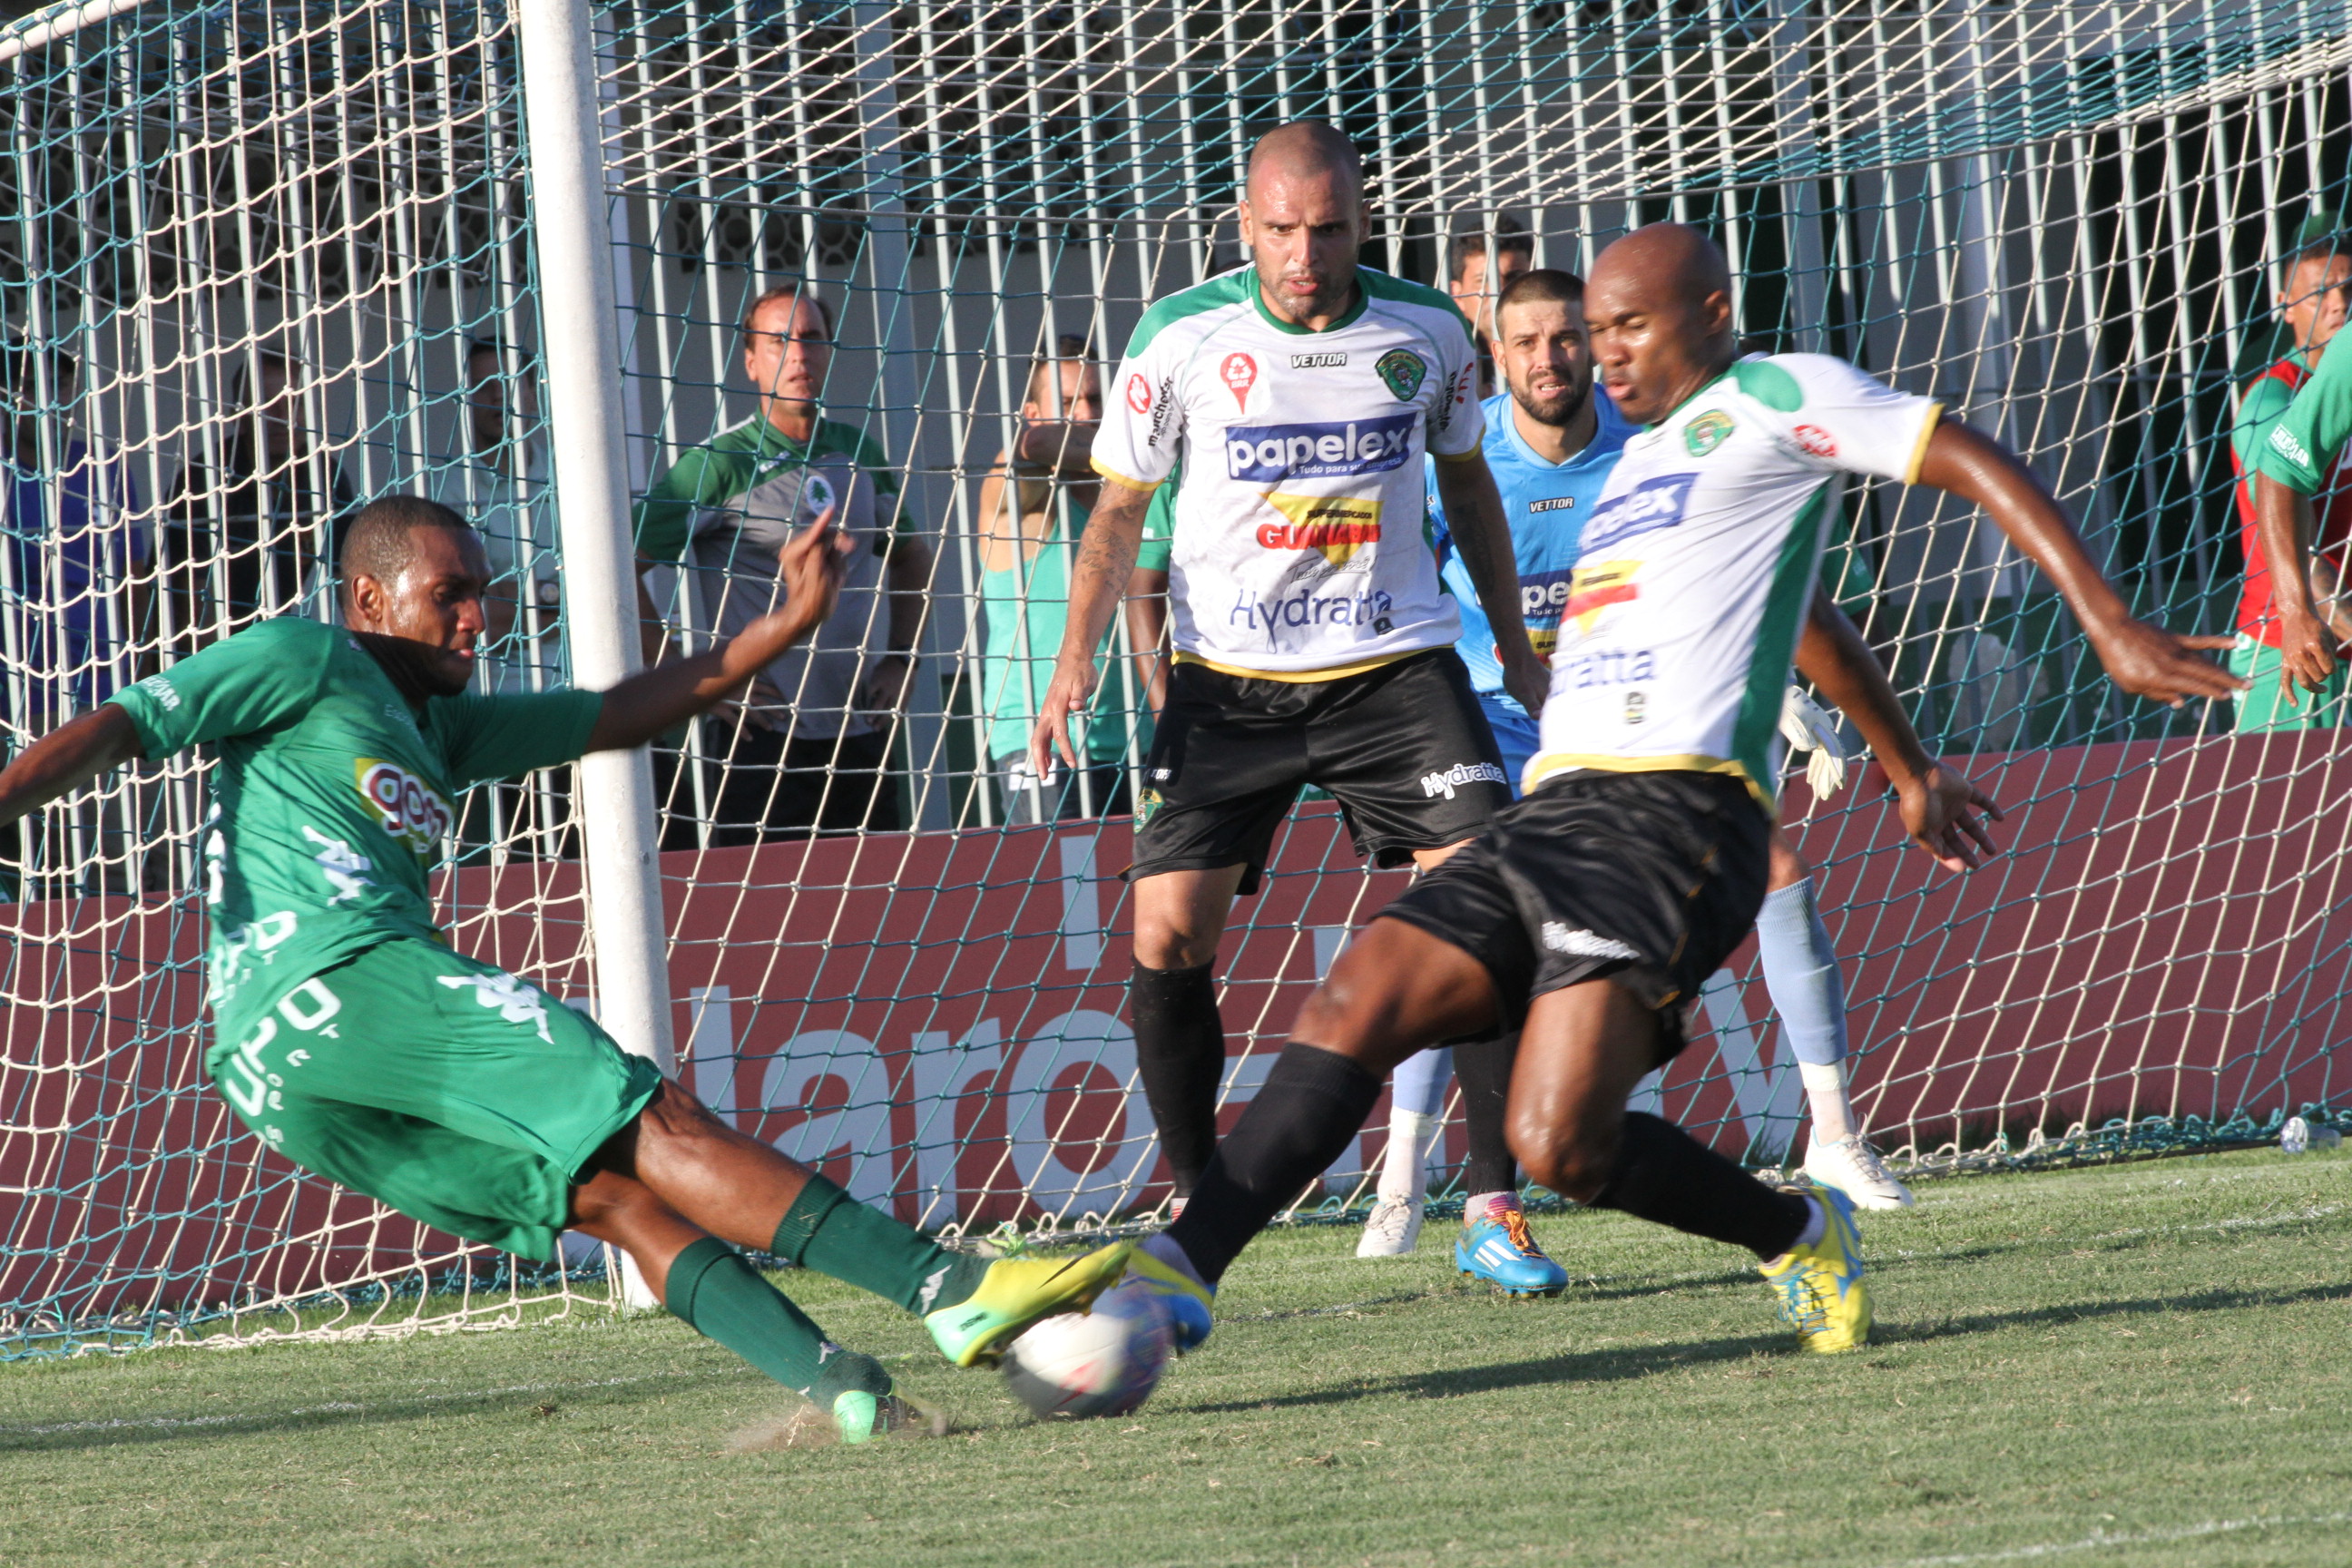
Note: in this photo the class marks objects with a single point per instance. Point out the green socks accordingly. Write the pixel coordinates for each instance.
(714, 1293)
(827, 1231)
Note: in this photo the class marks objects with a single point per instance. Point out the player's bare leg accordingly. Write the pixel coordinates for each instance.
(1496, 1245)
(1800, 971)
(1585, 1047)
(1180, 1037)
(706, 1175)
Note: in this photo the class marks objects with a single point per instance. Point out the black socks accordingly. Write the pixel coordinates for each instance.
(1313, 1103)
(1483, 1069)
(1180, 1050)
(1666, 1176)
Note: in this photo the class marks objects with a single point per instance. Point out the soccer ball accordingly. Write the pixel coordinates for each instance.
(1103, 1362)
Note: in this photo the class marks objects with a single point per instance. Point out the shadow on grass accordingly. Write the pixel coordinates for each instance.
(531, 1402)
(1621, 1361)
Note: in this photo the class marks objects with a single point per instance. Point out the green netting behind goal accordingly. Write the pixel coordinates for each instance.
(260, 263)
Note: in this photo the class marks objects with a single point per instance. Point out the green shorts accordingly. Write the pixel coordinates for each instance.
(2263, 706)
(451, 1091)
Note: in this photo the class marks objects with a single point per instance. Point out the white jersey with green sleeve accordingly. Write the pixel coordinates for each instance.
(1697, 562)
(1299, 550)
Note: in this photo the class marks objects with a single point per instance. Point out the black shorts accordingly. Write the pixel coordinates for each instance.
(1404, 749)
(1648, 880)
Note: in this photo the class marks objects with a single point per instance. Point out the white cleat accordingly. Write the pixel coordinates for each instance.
(1394, 1230)
(1853, 1168)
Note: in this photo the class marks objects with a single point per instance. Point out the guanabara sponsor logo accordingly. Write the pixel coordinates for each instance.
(412, 813)
(1335, 526)
(1267, 454)
(1240, 372)
(1139, 394)
(1596, 587)
(1325, 361)
(1448, 780)
(1649, 506)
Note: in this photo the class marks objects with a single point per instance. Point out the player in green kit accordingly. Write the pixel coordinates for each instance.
(354, 1041)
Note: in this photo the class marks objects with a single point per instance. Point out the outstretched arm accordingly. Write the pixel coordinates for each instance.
(2282, 517)
(1474, 515)
(66, 758)
(2145, 660)
(1106, 558)
(659, 698)
(1937, 805)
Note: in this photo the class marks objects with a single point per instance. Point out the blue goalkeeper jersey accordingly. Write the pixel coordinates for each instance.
(1546, 504)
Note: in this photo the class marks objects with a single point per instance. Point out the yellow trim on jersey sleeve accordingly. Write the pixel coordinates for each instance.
(1919, 452)
(1544, 764)
(1115, 477)
(1477, 451)
(1296, 676)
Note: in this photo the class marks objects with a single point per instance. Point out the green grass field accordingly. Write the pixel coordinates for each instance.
(2146, 1365)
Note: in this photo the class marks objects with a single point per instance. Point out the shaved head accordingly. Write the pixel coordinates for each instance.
(1659, 310)
(1303, 217)
(1306, 149)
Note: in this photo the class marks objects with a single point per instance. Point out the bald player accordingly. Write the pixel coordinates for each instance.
(1296, 396)
(1595, 907)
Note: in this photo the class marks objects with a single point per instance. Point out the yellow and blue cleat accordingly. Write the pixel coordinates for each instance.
(1183, 1296)
(1018, 1291)
(1820, 1288)
(1502, 1251)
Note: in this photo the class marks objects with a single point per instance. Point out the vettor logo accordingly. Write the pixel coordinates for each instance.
(1268, 453)
(1336, 526)
(412, 813)
(1649, 506)
(1240, 372)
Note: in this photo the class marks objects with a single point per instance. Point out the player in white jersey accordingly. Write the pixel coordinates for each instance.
(1296, 396)
(1596, 907)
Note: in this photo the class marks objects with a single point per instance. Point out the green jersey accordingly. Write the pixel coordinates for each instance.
(335, 795)
(726, 510)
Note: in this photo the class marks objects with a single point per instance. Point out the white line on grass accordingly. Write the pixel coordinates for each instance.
(2100, 1541)
(340, 1406)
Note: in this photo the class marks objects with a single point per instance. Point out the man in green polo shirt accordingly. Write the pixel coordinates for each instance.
(2306, 557)
(810, 745)
(354, 1041)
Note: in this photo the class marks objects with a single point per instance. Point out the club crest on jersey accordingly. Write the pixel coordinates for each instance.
(816, 494)
(1240, 372)
(1596, 587)
(1708, 431)
(1337, 527)
(1649, 506)
(412, 813)
(1401, 371)
(1139, 394)
(1267, 454)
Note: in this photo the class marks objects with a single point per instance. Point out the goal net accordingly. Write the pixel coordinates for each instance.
(261, 263)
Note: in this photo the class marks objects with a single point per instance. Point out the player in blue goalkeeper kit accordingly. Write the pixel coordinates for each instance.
(354, 1041)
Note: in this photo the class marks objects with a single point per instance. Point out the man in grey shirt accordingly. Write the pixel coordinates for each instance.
(808, 749)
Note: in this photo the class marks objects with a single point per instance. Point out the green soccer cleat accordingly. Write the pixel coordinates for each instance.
(1822, 1292)
(862, 1417)
(1017, 1292)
